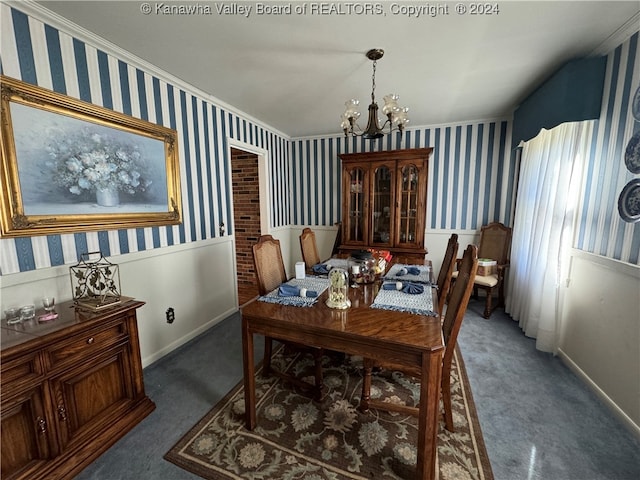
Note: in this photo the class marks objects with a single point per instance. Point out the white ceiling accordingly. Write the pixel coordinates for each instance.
(294, 72)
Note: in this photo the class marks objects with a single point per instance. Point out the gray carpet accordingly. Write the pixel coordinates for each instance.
(539, 421)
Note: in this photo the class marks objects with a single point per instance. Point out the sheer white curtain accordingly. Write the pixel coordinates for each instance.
(548, 188)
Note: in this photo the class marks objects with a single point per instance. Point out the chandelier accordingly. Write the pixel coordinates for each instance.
(396, 116)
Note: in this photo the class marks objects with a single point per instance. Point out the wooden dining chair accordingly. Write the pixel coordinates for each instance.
(338, 240)
(270, 274)
(446, 271)
(309, 248)
(458, 301)
(495, 244)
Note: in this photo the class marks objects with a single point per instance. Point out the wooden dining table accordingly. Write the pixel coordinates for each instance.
(395, 336)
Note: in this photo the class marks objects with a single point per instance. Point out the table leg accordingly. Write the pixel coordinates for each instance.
(428, 416)
(249, 376)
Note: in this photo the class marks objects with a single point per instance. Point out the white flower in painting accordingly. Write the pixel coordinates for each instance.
(85, 160)
(92, 175)
(73, 165)
(84, 183)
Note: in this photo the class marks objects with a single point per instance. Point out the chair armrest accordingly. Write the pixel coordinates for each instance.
(501, 269)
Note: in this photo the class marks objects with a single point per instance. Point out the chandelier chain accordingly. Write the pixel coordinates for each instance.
(373, 82)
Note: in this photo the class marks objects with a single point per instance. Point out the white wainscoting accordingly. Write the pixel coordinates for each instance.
(601, 335)
(197, 280)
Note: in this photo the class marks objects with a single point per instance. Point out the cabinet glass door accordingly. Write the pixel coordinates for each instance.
(355, 228)
(382, 211)
(408, 197)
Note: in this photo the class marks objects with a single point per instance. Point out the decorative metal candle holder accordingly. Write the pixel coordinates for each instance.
(338, 286)
(95, 284)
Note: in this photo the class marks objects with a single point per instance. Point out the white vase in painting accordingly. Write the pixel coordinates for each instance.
(108, 197)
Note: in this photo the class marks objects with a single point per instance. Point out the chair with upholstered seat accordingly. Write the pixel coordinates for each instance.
(270, 274)
(309, 248)
(458, 300)
(338, 240)
(446, 271)
(495, 244)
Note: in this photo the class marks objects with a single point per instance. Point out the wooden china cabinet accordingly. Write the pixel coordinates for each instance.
(71, 388)
(384, 197)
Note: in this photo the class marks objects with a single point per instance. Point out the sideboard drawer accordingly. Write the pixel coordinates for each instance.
(20, 371)
(87, 344)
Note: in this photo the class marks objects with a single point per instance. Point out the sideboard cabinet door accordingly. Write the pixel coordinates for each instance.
(28, 442)
(83, 408)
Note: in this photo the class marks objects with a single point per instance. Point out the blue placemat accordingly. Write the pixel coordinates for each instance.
(423, 277)
(420, 304)
(310, 283)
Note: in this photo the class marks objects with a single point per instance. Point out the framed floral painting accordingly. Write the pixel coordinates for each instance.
(68, 165)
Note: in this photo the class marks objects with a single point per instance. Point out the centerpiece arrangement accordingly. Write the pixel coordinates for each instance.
(95, 283)
(97, 166)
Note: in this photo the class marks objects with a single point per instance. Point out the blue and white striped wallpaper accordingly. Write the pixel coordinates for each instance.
(37, 53)
(472, 172)
(601, 230)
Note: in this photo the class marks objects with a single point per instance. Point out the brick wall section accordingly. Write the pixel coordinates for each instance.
(246, 214)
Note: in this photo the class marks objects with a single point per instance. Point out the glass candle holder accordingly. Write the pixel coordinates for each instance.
(49, 304)
(27, 312)
(12, 315)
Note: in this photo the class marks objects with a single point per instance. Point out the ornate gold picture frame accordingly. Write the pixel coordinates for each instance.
(68, 166)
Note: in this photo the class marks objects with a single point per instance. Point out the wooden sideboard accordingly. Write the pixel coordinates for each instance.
(70, 388)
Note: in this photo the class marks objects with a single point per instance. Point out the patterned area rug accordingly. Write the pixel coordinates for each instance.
(297, 438)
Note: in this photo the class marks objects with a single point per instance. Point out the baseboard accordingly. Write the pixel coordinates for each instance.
(148, 360)
(617, 411)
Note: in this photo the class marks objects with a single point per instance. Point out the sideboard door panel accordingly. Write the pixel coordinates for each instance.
(27, 440)
(88, 398)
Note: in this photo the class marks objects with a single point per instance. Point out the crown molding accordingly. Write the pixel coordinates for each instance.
(43, 14)
(618, 37)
